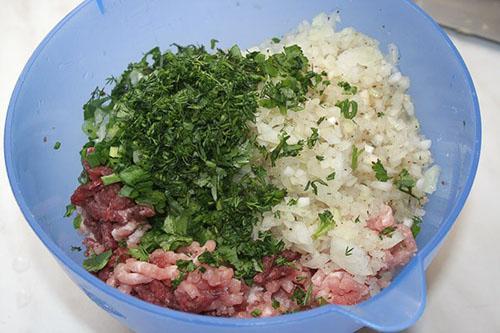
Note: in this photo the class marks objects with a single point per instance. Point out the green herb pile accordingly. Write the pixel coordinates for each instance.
(176, 130)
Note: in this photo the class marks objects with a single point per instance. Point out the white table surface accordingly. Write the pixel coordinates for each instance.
(463, 281)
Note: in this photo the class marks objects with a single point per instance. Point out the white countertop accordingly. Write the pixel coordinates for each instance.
(463, 280)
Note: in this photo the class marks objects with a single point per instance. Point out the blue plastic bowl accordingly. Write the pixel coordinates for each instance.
(100, 38)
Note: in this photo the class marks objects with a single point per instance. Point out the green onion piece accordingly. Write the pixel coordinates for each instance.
(110, 179)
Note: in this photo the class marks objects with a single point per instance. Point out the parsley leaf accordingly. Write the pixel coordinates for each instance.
(326, 223)
(348, 89)
(97, 262)
(69, 210)
(416, 226)
(405, 183)
(186, 265)
(256, 313)
(77, 221)
(283, 149)
(387, 231)
(311, 141)
(139, 253)
(380, 172)
(331, 176)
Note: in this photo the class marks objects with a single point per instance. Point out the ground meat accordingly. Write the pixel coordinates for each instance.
(272, 271)
(382, 220)
(339, 288)
(156, 292)
(107, 216)
(213, 290)
(402, 252)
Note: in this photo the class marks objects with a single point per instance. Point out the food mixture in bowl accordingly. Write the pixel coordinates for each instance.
(254, 183)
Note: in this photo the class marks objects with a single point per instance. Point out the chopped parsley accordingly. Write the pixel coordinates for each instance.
(320, 157)
(313, 185)
(320, 120)
(292, 202)
(311, 141)
(387, 231)
(348, 89)
(355, 156)
(302, 297)
(77, 221)
(380, 114)
(256, 313)
(291, 68)
(416, 226)
(95, 263)
(283, 149)
(69, 210)
(177, 138)
(185, 265)
(357, 220)
(57, 145)
(405, 183)
(178, 280)
(275, 304)
(275, 40)
(348, 251)
(298, 295)
(380, 172)
(138, 253)
(282, 261)
(326, 223)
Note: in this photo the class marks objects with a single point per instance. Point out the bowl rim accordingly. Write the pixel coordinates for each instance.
(79, 271)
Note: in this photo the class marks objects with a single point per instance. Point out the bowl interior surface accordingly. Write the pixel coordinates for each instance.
(101, 38)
